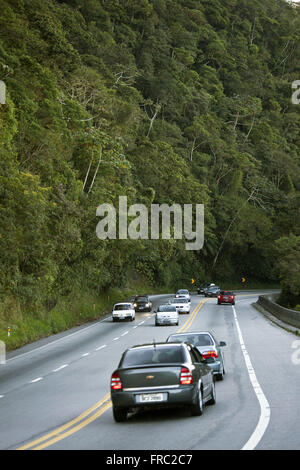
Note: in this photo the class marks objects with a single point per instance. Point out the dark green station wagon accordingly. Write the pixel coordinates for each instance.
(161, 375)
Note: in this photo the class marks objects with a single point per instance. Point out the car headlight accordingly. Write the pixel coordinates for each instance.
(135, 305)
(147, 304)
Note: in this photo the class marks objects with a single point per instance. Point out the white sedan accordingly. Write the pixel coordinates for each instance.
(122, 311)
(181, 304)
(166, 315)
(183, 293)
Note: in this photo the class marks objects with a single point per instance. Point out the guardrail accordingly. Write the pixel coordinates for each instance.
(292, 317)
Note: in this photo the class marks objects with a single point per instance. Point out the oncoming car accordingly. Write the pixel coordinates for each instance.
(208, 346)
(161, 375)
(183, 293)
(166, 315)
(123, 311)
(182, 304)
(142, 303)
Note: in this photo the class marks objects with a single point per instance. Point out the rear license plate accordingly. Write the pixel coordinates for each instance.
(151, 397)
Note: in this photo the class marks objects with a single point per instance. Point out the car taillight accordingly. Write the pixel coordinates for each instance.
(219, 296)
(116, 383)
(211, 353)
(186, 377)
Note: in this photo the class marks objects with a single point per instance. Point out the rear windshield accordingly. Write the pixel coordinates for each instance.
(141, 299)
(196, 340)
(122, 307)
(157, 355)
(226, 292)
(180, 301)
(182, 291)
(166, 308)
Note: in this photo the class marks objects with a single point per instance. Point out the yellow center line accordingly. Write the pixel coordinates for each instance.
(67, 425)
(75, 428)
(191, 319)
(64, 431)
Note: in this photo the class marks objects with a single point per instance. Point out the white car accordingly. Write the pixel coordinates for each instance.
(183, 293)
(122, 311)
(182, 304)
(166, 315)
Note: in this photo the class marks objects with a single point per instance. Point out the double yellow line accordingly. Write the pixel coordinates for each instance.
(64, 431)
(191, 318)
(93, 412)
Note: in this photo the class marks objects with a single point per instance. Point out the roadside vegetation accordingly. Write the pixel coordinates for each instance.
(162, 101)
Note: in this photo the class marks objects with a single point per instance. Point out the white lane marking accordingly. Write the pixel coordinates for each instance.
(57, 340)
(60, 368)
(265, 411)
(115, 339)
(36, 380)
(125, 333)
(135, 326)
(100, 347)
(85, 354)
(1, 396)
(40, 348)
(141, 323)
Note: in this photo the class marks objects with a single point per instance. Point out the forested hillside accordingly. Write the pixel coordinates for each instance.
(164, 101)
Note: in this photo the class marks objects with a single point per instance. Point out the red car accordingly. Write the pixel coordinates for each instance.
(226, 297)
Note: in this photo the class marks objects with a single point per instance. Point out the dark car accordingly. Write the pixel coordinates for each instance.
(162, 375)
(142, 303)
(201, 289)
(212, 291)
(207, 345)
(226, 297)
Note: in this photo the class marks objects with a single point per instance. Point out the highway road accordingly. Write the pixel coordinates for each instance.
(54, 394)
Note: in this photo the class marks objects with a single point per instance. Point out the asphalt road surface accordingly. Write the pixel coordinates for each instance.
(54, 394)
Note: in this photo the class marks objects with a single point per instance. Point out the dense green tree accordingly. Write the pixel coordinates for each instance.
(165, 101)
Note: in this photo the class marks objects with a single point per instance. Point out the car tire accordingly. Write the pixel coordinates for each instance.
(212, 400)
(197, 408)
(219, 303)
(233, 303)
(221, 375)
(119, 414)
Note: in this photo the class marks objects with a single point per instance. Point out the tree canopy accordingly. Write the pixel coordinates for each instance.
(164, 101)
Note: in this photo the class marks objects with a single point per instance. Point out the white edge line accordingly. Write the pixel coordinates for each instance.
(36, 380)
(61, 367)
(265, 411)
(72, 334)
(57, 340)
